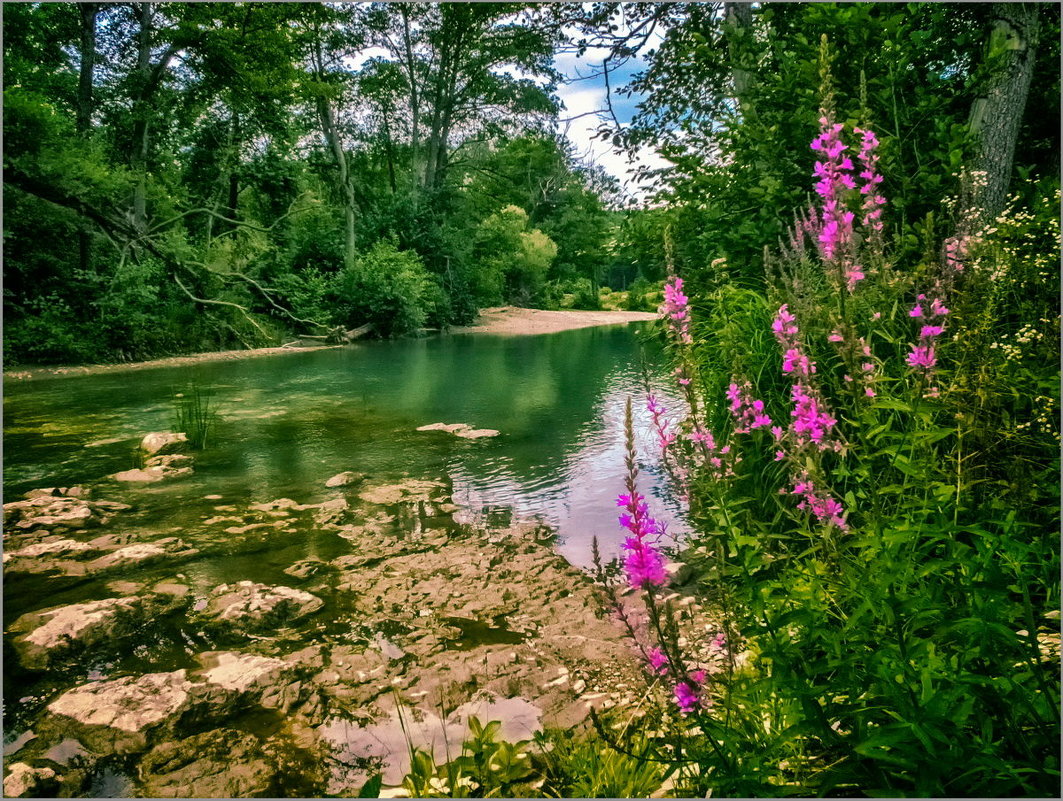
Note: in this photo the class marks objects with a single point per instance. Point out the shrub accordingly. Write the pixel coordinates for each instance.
(583, 295)
(386, 287)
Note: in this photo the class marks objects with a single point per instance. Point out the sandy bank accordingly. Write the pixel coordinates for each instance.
(33, 373)
(511, 320)
(516, 321)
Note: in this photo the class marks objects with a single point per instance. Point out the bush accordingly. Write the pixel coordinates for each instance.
(512, 259)
(387, 287)
(582, 295)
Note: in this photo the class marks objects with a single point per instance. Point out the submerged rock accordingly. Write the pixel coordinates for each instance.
(143, 552)
(51, 512)
(25, 780)
(463, 430)
(58, 492)
(158, 468)
(223, 763)
(59, 547)
(345, 479)
(159, 443)
(41, 637)
(476, 433)
(450, 428)
(307, 568)
(411, 490)
(253, 606)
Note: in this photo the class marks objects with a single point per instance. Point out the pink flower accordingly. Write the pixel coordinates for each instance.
(835, 336)
(917, 311)
(937, 309)
(658, 662)
(928, 331)
(675, 311)
(747, 411)
(810, 423)
(922, 356)
(688, 692)
(825, 508)
(644, 564)
(784, 324)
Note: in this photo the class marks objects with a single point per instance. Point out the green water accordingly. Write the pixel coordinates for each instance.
(292, 421)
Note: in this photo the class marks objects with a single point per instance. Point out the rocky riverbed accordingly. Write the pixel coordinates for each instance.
(133, 669)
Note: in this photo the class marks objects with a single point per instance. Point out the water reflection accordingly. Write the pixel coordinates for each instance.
(292, 421)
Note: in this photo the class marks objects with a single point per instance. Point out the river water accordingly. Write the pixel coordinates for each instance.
(289, 422)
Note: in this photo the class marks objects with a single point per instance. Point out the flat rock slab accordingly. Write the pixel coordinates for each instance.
(463, 430)
(120, 712)
(241, 672)
(248, 605)
(42, 637)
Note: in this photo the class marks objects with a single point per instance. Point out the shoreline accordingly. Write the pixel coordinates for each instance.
(499, 320)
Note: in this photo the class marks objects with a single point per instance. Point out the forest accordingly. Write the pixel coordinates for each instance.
(837, 566)
(235, 174)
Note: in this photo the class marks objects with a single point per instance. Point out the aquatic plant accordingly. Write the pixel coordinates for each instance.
(195, 416)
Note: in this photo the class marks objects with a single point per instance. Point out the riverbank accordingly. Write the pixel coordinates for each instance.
(516, 321)
(508, 320)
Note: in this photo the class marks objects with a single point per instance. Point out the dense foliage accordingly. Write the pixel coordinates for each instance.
(865, 332)
(201, 176)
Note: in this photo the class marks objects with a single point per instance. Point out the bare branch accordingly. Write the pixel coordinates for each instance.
(207, 301)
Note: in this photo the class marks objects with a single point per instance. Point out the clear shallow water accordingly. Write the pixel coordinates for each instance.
(289, 423)
(292, 421)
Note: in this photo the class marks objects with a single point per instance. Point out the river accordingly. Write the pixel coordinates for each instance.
(287, 424)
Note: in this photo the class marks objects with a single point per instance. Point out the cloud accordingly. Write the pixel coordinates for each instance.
(586, 110)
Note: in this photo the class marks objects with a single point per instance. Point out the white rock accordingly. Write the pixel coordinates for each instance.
(24, 780)
(130, 703)
(161, 442)
(240, 672)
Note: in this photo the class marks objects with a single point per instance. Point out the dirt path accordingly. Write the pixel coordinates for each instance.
(510, 320)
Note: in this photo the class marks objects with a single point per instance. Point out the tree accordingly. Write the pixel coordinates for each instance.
(996, 114)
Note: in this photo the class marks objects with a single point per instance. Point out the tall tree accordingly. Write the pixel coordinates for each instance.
(997, 112)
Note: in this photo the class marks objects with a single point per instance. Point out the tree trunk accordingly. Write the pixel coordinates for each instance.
(88, 66)
(738, 25)
(85, 105)
(997, 114)
(332, 139)
(350, 203)
(231, 209)
(141, 123)
(415, 106)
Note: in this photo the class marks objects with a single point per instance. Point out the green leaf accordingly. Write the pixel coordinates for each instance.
(371, 789)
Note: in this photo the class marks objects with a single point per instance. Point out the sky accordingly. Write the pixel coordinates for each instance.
(582, 97)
